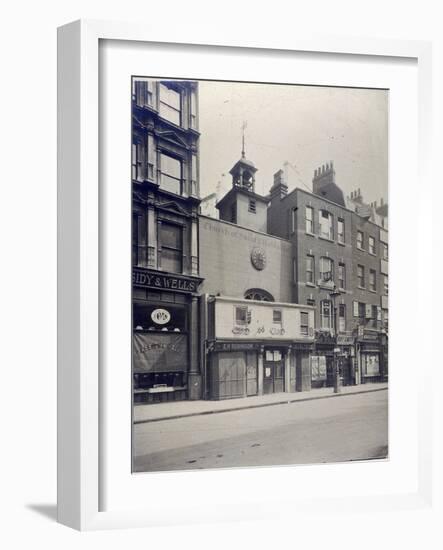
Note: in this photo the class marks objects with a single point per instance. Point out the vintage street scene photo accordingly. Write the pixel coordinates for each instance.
(259, 274)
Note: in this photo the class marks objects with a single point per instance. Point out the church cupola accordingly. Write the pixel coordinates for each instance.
(241, 204)
(243, 171)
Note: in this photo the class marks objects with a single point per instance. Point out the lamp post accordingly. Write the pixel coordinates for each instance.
(334, 295)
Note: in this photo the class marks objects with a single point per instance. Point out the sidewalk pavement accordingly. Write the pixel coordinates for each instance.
(181, 409)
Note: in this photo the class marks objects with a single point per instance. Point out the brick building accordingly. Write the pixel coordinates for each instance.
(340, 268)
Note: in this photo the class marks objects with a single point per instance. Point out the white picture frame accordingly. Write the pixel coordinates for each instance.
(81, 440)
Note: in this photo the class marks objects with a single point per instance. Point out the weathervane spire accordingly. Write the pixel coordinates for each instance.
(244, 125)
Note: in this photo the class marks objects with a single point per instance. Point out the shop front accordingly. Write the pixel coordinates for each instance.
(329, 349)
(257, 348)
(165, 351)
(370, 353)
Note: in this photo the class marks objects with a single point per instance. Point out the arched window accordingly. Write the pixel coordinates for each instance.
(258, 294)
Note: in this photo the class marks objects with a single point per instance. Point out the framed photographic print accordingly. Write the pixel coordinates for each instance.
(229, 214)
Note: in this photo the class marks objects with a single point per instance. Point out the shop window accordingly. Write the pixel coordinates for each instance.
(258, 294)
(326, 224)
(304, 323)
(309, 213)
(310, 269)
(361, 276)
(370, 364)
(341, 230)
(171, 243)
(326, 315)
(159, 317)
(170, 174)
(170, 104)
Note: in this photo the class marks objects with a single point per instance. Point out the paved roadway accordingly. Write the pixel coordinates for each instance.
(351, 427)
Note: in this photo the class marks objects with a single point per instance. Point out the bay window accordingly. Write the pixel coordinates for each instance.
(170, 174)
(171, 244)
(170, 104)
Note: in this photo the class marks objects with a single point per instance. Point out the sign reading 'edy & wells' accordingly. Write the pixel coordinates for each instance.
(164, 282)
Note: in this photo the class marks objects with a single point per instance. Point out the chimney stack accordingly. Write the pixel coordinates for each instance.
(279, 190)
(325, 175)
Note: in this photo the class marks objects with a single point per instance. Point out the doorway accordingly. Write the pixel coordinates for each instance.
(251, 373)
(273, 372)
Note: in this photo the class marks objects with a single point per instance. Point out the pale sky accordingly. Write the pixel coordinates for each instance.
(304, 125)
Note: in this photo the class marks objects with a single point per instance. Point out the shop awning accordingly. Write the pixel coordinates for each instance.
(158, 352)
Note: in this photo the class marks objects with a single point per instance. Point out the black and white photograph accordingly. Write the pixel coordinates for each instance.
(259, 274)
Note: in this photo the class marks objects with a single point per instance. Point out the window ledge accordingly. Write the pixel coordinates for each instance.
(310, 284)
(362, 287)
(372, 253)
(361, 249)
(373, 291)
(340, 243)
(310, 234)
(326, 239)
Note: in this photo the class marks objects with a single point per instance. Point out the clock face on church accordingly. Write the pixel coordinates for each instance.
(258, 258)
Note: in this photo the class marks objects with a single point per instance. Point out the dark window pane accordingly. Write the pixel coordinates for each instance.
(171, 236)
(171, 260)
